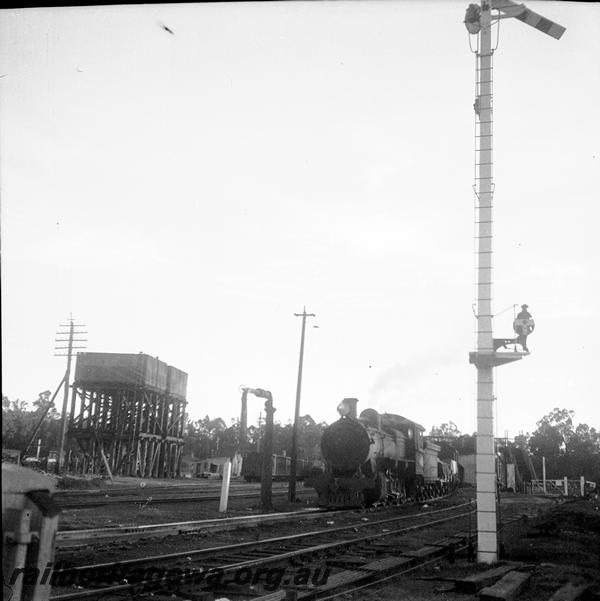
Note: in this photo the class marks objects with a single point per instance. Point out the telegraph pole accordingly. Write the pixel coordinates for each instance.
(479, 21)
(243, 441)
(71, 346)
(294, 459)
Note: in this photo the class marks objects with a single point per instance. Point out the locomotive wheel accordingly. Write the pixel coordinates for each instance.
(402, 491)
(378, 492)
(371, 496)
(397, 492)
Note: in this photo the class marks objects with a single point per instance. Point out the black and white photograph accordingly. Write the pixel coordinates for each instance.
(300, 300)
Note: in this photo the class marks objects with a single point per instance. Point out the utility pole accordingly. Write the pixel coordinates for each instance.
(479, 21)
(294, 459)
(243, 441)
(71, 346)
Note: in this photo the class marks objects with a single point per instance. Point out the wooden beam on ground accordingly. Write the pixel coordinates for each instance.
(473, 583)
(425, 552)
(569, 592)
(347, 577)
(508, 587)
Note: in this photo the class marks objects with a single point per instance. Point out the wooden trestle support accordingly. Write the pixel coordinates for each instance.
(135, 431)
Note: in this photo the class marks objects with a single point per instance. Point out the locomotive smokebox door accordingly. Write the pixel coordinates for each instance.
(345, 445)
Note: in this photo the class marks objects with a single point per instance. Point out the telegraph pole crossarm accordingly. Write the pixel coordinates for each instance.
(479, 21)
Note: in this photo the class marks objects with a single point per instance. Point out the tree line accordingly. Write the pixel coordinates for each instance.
(213, 438)
(19, 421)
(203, 438)
(569, 450)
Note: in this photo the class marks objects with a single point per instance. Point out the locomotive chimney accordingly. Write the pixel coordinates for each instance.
(352, 406)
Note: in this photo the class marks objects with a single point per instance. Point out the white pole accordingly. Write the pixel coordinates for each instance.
(544, 472)
(487, 540)
(582, 485)
(479, 20)
(225, 486)
(566, 485)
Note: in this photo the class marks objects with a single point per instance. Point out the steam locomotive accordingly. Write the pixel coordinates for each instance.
(378, 459)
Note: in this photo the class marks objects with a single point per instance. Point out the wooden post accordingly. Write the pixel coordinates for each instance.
(544, 472)
(225, 486)
(566, 484)
(582, 485)
(17, 552)
(267, 459)
(105, 461)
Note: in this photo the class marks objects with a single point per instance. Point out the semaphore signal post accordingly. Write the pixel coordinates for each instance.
(479, 20)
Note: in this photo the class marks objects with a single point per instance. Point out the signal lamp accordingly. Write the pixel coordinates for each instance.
(472, 19)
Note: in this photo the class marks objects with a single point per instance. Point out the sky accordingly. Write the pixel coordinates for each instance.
(184, 193)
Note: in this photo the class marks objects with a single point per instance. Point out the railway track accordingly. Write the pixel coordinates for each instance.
(328, 558)
(146, 487)
(161, 495)
(77, 538)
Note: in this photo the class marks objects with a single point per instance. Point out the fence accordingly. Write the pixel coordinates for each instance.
(560, 488)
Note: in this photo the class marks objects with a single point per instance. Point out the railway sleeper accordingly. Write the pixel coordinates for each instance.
(341, 580)
(427, 552)
(347, 562)
(367, 546)
(383, 547)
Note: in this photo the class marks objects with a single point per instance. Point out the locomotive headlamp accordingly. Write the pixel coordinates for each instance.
(343, 409)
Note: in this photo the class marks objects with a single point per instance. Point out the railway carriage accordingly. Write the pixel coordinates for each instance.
(252, 466)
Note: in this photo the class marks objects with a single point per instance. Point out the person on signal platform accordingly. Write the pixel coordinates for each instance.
(523, 326)
(524, 313)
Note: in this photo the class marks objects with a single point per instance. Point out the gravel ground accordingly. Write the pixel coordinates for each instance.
(145, 512)
(171, 544)
(560, 544)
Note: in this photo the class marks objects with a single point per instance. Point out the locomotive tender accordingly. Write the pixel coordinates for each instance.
(378, 458)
